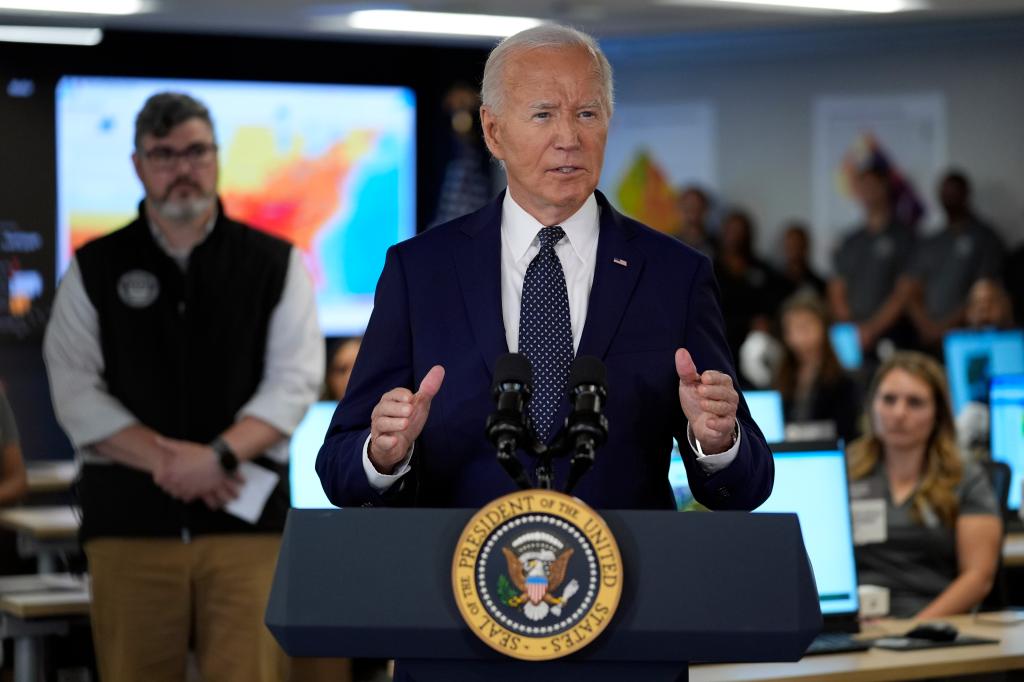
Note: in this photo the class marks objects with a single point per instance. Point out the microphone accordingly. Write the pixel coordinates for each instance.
(586, 427)
(508, 425)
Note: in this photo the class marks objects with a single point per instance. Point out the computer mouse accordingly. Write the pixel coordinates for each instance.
(935, 631)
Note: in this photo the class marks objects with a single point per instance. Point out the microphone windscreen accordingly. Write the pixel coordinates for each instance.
(587, 369)
(512, 368)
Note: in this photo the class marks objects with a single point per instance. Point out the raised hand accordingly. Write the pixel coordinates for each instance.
(397, 421)
(709, 402)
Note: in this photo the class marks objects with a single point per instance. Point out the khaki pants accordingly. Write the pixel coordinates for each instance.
(152, 597)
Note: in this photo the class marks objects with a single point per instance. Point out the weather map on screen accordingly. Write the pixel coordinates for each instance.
(330, 168)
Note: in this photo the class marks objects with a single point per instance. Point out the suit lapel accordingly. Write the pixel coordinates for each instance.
(616, 273)
(478, 263)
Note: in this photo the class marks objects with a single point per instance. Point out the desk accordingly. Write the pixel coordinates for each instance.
(878, 665)
(33, 607)
(50, 477)
(45, 532)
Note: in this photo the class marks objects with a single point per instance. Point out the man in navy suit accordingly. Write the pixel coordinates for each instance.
(453, 299)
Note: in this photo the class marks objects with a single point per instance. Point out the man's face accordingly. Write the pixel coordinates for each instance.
(693, 208)
(953, 196)
(551, 130)
(179, 171)
(873, 191)
(794, 246)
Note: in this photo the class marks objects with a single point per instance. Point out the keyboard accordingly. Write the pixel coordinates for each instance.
(836, 642)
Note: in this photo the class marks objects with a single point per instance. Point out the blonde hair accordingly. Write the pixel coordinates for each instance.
(943, 468)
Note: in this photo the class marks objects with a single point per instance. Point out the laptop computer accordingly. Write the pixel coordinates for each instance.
(810, 480)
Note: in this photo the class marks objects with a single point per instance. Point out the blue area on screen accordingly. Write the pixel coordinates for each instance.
(766, 410)
(846, 344)
(1006, 405)
(811, 484)
(973, 358)
(307, 493)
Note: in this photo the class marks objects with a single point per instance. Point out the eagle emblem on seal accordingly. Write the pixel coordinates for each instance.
(537, 563)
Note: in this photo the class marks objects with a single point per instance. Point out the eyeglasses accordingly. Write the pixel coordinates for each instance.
(164, 158)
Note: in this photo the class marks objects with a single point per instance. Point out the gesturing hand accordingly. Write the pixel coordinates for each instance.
(397, 421)
(709, 402)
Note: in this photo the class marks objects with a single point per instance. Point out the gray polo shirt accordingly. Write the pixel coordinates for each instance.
(870, 263)
(949, 262)
(916, 561)
(8, 429)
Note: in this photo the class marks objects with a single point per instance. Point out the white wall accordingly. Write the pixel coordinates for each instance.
(764, 84)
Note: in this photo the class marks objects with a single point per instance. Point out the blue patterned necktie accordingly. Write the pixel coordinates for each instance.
(545, 332)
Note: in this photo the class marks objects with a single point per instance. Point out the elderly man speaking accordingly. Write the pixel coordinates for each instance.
(550, 270)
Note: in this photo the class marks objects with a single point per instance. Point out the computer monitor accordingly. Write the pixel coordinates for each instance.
(307, 493)
(973, 358)
(810, 481)
(1006, 428)
(766, 410)
(846, 343)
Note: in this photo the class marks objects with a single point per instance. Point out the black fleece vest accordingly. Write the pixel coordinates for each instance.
(183, 351)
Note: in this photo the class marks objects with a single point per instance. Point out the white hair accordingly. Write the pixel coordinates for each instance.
(492, 91)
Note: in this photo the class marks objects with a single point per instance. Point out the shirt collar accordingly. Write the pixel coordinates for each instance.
(521, 228)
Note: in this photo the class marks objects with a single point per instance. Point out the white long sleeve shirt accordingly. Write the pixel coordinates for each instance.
(292, 375)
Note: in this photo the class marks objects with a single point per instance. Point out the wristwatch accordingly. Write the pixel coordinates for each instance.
(225, 455)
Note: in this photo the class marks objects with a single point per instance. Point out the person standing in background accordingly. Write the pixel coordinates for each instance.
(182, 351)
(796, 260)
(947, 264)
(751, 290)
(694, 231)
(868, 287)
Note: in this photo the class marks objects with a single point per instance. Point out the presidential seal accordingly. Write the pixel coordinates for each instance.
(537, 575)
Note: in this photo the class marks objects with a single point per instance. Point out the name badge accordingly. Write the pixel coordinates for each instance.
(869, 521)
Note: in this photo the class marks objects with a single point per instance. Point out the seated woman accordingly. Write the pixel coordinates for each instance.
(928, 523)
(813, 385)
(341, 358)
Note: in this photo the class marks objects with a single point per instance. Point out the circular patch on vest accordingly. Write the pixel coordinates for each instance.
(537, 575)
(138, 288)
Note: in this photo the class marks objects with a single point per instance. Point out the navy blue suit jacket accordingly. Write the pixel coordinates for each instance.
(438, 301)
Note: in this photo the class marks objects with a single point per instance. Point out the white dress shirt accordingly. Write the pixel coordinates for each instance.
(577, 252)
(292, 374)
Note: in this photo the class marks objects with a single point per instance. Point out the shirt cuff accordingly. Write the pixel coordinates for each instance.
(713, 463)
(381, 482)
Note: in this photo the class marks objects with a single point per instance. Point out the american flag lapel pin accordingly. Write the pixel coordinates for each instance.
(620, 261)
